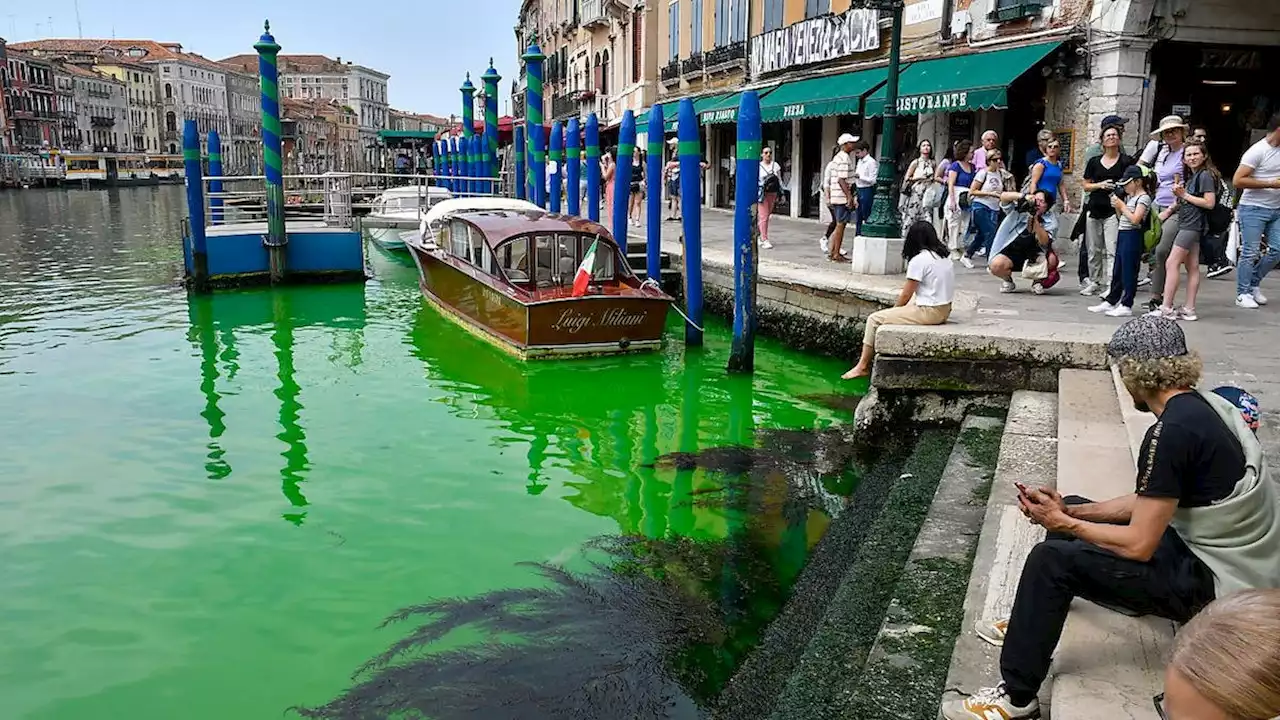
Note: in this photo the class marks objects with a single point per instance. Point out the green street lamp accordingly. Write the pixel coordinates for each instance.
(883, 222)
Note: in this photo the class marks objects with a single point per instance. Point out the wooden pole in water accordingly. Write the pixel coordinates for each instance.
(593, 168)
(215, 170)
(746, 194)
(690, 149)
(622, 180)
(573, 167)
(195, 205)
(653, 190)
(517, 149)
(268, 78)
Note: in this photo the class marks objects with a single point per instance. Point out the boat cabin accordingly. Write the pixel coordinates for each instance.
(410, 199)
(535, 252)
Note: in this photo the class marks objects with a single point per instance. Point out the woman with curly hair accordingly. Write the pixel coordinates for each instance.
(1203, 522)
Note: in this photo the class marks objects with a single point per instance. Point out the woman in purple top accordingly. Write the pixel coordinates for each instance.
(1164, 155)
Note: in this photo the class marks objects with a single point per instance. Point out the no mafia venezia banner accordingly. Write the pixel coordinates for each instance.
(815, 40)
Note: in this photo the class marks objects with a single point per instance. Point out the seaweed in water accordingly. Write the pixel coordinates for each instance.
(583, 646)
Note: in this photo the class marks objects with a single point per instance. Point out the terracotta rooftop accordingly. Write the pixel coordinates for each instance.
(84, 72)
(155, 51)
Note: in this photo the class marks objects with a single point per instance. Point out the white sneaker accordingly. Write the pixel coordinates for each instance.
(1144, 281)
(1164, 312)
(1188, 314)
(1258, 297)
(982, 252)
(1101, 307)
(1119, 311)
(989, 703)
(1089, 288)
(1247, 301)
(766, 245)
(992, 632)
(825, 244)
(965, 261)
(1008, 286)
(1037, 289)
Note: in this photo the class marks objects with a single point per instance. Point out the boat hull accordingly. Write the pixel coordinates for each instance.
(564, 327)
(388, 238)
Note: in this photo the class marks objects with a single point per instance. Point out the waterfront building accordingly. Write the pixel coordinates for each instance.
(100, 105)
(190, 87)
(31, 101)
(242, 149)
(143, 96)
(64, 83)
(318, 77)
(320, 136)
(4, 83)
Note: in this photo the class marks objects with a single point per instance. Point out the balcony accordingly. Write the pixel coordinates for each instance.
(691, 64)
(670, 73)
(102, 121)
(100, 94)
(727, 57)
(170, 136)
(563, 106)
(593, 14)
(169, 102)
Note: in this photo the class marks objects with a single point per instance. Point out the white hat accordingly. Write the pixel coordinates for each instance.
(1169, 122)
(846, 138)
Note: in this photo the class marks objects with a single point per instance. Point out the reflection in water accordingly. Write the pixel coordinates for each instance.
(215, 319)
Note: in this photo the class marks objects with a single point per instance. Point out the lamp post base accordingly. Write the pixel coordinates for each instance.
(877, 256)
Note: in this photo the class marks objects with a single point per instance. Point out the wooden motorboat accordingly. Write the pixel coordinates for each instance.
(506, 270)
(398, 213)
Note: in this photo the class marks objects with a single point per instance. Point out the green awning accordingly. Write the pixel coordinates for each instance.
(723, 111)
(671, 111)
(961, 82)
(406, 134)
(821, 96)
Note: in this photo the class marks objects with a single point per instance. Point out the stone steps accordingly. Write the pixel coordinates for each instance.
(1029, 454)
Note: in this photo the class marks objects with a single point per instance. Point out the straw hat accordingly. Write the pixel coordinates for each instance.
(1169, 122)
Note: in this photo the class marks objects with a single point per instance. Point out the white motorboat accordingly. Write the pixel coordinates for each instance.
(398, 213)
(433, 221)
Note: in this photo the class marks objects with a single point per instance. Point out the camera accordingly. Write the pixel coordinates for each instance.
(1025, 205)
(1119, 192)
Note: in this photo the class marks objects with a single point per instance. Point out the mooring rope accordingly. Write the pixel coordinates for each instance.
(656, 286)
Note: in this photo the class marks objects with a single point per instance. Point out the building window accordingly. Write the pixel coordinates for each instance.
(730, 21)
(695, 27)
(637, 47)
(773, 14)
(168, 91)
(814, 8)
(604, 72)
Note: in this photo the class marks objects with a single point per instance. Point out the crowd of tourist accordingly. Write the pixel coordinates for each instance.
(1167, 208)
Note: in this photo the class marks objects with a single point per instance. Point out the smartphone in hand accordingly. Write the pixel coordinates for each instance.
(1022, 489)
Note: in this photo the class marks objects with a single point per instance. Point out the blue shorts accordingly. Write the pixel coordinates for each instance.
(843, 213)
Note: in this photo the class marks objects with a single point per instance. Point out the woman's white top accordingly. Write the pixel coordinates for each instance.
(937, 278)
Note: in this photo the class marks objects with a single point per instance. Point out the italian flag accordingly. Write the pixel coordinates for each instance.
(583, 278)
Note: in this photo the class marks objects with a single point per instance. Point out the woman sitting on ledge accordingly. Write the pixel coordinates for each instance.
(930, 278)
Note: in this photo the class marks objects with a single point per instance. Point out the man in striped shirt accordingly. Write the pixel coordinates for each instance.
(840, 190)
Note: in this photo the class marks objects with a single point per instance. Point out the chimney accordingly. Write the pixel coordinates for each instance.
(339, 59)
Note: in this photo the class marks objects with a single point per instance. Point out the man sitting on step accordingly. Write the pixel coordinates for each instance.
(1204, 521)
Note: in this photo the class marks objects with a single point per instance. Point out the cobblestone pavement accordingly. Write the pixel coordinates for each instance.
(1240, 347)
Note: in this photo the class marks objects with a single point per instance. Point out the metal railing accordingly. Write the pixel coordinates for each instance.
(723, 57)
(671, 71)
(691, 64)
(333, 198)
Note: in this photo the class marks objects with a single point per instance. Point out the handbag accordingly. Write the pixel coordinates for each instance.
(1038, 270)
(963, 199)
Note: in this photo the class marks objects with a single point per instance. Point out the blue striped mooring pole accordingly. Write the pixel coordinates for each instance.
(556, 154)
(215, 170)
(742, 355)
(593, 168)
(622, 179)
(490, 80)
(272, 154)
(517, 150)
(653, 186)
(455, 165)
(690, 149)
(195, 204)
(533, 59)
(573, 166)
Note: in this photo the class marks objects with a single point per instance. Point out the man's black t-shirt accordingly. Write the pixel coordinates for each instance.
(1189, 454)
(1094, 171)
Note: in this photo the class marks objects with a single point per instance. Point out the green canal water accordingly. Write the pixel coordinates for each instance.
(209, 505)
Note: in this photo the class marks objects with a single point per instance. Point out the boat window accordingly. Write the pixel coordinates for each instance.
(513, 259)
(486, 260)
(545, 261)
(460, 239)
(479, 248)
(605, 268)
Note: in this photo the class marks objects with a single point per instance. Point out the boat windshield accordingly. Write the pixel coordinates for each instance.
(558, 257)
(393, 204)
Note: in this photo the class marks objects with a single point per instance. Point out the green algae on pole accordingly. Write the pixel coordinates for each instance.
(268, 78)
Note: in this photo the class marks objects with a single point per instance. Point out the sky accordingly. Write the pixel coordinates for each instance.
(427, 46)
